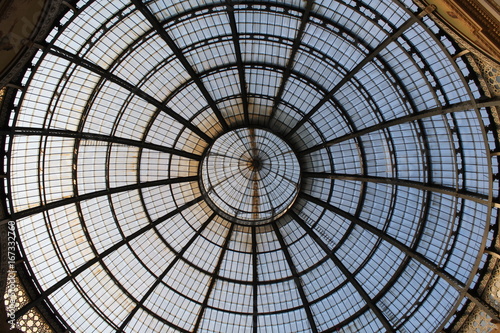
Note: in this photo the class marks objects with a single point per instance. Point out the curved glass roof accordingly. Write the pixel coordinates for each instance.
(363, 203)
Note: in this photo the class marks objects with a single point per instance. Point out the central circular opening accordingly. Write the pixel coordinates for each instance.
(250, 176)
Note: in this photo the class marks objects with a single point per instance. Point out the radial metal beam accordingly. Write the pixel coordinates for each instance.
(344, 270)
(96, 194)
(158, 280)
(54, 50)
(254, 152)
(295, 48)
(151, 18)
(374, 53)
(436, 188)
(255, 281)
(213, 279)
(439, 271)
(462, 106)
(29, 131)
(72, 275)
(239, 60)
(296, 278)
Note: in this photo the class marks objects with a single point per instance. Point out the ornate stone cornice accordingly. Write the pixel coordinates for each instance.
(477, 22)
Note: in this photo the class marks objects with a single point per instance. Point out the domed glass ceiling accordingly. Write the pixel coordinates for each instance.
(250, 166)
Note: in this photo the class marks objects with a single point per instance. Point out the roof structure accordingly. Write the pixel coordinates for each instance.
(251, 166)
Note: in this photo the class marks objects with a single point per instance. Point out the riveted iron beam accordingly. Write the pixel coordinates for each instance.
(296, 278)
(344, 271)
(54, 50)
(295, 48)
(29, 131)
(255, 280)
(151, 18)
(391, 38)
(158, 280)
(72, 275)
(439, 271)
(96, 194)
(462, 106)
(213, 279)
(436, 188)
(239, 60)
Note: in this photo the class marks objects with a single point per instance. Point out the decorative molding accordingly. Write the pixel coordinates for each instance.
(32, 321)
(487, 69)
(472, 21)
(51, 11)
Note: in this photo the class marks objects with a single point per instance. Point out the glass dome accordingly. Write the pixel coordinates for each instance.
(250, 176)
(251, 166)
